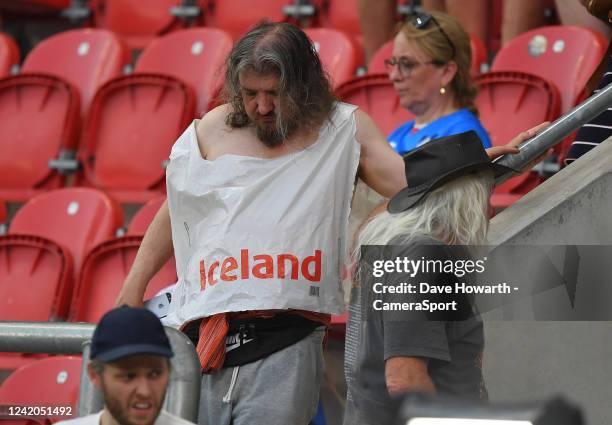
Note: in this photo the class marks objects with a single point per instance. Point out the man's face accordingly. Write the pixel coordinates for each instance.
(134, 388)
(262, 105)
(418, 84)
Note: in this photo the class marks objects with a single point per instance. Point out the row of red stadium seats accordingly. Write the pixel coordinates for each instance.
(535, 78)
(137, 26)
(70, 265)
(53, 381)
(183, 68)
(122, 114)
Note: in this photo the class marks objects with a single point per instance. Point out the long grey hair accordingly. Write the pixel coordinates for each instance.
(282, 50)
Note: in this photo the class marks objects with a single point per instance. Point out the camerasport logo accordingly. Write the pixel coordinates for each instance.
(261, 266)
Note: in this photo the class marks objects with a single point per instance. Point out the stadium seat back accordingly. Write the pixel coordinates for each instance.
(86, 58)
(195, 56)
(529, 100)
(76, 218)
(238, 16)
(103, 274)
(52, 381)
(479, 56)
(35, 279)
(9, 54)
(129, 134)
(39, 117)
(144, 216)
(336, 51)
(36, 8)
(3, 213)
(565, 55)
(342, 15)
(134, 21)
(377, 62)
(375, 95)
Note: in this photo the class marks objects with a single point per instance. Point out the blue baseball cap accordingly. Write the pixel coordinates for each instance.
(126, 331)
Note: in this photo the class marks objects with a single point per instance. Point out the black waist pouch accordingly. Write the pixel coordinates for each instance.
(251, 339)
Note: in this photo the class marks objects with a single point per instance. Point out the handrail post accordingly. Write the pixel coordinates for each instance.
(90, 399)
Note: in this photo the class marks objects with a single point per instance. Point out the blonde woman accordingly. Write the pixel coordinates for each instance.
(430, 71)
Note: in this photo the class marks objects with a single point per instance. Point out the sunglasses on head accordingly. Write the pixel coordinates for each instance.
(421, 21)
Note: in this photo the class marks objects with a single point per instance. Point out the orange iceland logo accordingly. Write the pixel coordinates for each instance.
(261, 266)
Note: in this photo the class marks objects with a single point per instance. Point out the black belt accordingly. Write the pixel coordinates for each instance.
(251, 339)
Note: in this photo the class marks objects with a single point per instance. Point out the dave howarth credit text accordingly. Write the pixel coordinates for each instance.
(427, 284)
(425, 288)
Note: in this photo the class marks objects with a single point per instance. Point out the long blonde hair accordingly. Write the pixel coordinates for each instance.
(456, 213)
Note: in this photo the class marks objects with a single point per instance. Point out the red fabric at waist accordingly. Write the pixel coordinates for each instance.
(213, 333)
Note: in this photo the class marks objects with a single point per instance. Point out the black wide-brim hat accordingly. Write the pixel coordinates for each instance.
(436, 162)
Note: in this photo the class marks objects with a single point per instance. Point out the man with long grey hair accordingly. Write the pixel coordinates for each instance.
(259, 193)
(390, 352)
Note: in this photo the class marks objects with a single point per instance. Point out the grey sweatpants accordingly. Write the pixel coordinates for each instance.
(281, 389)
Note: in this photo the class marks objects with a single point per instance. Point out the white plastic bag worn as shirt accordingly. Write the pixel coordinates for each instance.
(259, 234)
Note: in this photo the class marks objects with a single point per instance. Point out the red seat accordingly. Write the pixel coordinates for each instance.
(195, 56)
(340, 14)
(133, 123)
(107, 265)
(479, 56)
(529, 100)
(343, 16)
(103, 274)
(563, 55)
(377, 63)
(76, 218)
(39, 117)
(143, 218)
(336, 52)
(9, 55)
(136, 22)
(86, 58)
(35, 279)
(52, 381)
(238, 16)
(3, 212)
(38, 8)
(375, 95)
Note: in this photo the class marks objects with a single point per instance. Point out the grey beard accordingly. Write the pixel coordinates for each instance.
(271, 136)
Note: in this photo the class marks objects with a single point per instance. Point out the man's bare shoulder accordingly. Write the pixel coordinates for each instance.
(213, 120)
(210, 126)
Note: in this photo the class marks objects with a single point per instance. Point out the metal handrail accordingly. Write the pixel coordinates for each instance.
(557, 131)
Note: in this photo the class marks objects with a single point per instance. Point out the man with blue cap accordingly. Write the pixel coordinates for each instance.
(130, 365)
